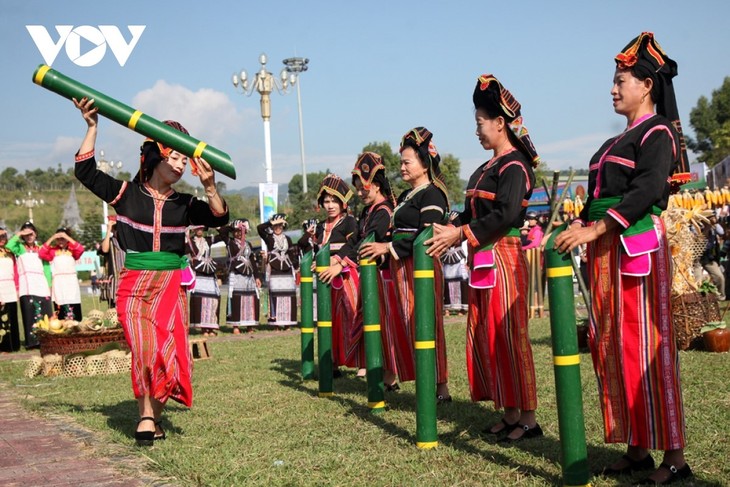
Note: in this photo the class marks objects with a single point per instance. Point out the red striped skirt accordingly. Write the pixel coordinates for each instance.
(397, 349)
(498, 352)
(402, 272)
(633, 346)
(348, 347)
(152, 309)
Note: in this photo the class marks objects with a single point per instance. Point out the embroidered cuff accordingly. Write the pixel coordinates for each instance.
(616, 216)
(578, 220)
(84, 157)
(347, 262)
(225, 210)
(470, 237)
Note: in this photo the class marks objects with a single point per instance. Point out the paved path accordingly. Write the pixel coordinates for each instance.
(55, 451)
(36, 451)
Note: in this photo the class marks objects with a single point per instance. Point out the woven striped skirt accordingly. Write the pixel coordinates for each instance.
(152, 309)
(243, 300)
(348, 347)
(632, 342)
(402, 274)
(498, 352)
(205, 303)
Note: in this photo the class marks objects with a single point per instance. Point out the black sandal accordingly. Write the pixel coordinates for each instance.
(145, 438)
(533, 432)
(646, 463)
(675, 474)
(508, 427)
(392, 387)
(162, 436)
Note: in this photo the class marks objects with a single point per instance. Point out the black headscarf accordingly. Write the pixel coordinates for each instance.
(419, 139)
(333, 185)
(646, 59)
(152, 152)
(370, 169)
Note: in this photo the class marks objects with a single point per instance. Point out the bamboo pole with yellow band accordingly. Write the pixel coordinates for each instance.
(566, 364)
(425, 315)
(324, 325)
(128, 117)
(371, 331)
(306, 319)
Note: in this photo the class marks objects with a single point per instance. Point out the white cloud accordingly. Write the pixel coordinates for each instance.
(207, 114)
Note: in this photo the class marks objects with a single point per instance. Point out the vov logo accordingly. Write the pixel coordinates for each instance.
(70, 37)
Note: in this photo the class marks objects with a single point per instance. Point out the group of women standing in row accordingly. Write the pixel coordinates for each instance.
(245, 275)
(632, 343)
(631, 336)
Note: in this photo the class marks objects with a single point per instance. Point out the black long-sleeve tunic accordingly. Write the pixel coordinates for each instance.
(496, 198)
(146, 223)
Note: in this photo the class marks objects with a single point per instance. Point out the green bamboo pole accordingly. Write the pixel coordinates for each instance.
(425, 314)
(134, 119)
(324, 326)
(371, 331)
(307, 316)
(566, 364)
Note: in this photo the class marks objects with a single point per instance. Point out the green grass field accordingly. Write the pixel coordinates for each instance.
(255, 422)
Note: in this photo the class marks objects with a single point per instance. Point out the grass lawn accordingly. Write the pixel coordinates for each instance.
(255, 422)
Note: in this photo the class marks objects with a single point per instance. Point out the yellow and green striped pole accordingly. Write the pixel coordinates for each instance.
(566, 363)
(371, 331)
(307, 316)
(141, 123)
(425, 314)
(324, 326)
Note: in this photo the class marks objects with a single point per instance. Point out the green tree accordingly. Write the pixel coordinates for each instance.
(391, 160)
(303, 206)
(450, 167)
(90, 231)
(710, 120)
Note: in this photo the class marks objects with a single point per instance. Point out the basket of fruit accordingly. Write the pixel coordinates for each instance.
(66, 337)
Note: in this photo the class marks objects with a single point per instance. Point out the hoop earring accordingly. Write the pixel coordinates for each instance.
(643, 97)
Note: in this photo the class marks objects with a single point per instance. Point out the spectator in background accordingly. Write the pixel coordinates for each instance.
(10, 341)
(62, 252)
(113, 263)
(94, 278)
(34, 277)
(710, 258)
(534, 232)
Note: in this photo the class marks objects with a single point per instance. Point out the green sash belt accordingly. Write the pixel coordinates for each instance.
(512, 232)
(155, 261)
(402, 235)
(599, 208)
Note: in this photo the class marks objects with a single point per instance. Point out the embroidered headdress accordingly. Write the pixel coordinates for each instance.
(646, 59)
(490, 95)
(333, 185)
(370, 169)
(419, 139)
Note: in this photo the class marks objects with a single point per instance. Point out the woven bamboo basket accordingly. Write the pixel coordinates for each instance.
(690, 313)
(80, 342)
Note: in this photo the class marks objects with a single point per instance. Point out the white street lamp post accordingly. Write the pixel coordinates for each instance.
(298, 65)
(29, 203)
(264, 83)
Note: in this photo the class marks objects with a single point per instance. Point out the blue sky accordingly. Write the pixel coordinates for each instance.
(377, 69)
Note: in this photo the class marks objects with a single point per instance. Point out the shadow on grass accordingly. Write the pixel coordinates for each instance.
(121, 417)
(461, 414)
(454, 412)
